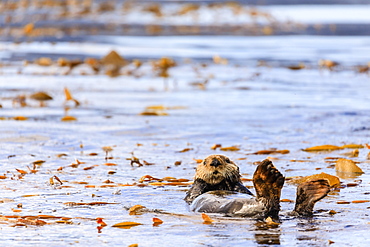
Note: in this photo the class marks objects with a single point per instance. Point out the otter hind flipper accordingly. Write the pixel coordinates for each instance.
(308, 194)
(268, 182)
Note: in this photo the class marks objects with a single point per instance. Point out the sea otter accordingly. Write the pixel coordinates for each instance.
(217, 183)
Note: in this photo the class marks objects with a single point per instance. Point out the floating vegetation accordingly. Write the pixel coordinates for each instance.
(95, 150)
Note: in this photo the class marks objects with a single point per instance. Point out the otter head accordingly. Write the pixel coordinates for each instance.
(216, 168)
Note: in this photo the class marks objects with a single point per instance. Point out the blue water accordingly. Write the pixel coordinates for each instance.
(243, 104)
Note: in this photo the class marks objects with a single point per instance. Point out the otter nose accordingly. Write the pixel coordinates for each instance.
(215, 163)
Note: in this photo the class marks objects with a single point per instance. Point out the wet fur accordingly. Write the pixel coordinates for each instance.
(268, 182)
(308, 194)
(211, 174)
(216, 172)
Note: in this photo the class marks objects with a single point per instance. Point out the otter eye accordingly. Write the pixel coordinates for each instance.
(204, 163)
(227, 160)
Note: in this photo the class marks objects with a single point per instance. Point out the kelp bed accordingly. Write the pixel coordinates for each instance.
(100, 137)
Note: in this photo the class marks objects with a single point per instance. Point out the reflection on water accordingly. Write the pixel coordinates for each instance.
(348, 175)
(310, 232)
(308, 225)
(257, 99)
(267, 234)
(267, 238)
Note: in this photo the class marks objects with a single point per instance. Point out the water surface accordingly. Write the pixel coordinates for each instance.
(253, 102)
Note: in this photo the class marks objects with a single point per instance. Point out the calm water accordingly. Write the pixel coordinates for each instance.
(243, 104)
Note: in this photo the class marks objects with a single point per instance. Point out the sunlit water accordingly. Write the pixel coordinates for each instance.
(253, 107)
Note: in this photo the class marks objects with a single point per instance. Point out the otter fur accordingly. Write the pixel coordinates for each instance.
(217, 183)
(216, 172)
